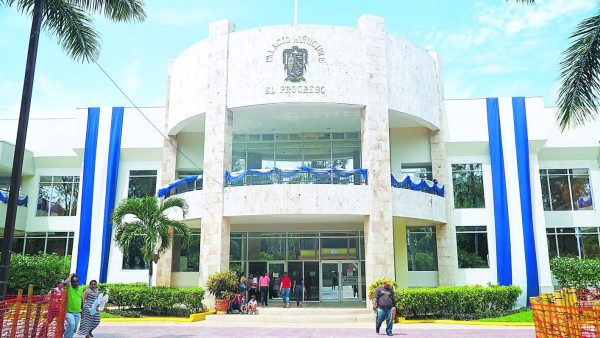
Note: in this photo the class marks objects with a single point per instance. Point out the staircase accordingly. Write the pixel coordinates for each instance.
(276, 315)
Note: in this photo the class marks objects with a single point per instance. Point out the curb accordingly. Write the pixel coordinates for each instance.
(194, 317)
(460, 322)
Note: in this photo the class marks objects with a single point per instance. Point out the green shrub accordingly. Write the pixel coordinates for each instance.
(160, 300)
(379, 283)
(457, 302)
(575, 272)
(222, 284)
(116, 313)
(42, 270)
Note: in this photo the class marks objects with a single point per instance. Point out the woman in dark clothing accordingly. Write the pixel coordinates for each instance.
(298, 288)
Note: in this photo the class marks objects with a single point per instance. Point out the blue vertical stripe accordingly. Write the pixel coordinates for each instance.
(522, 145)
(503, 254)
(112, 175)
(87, 193)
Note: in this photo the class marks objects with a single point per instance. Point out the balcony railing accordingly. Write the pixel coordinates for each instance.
(22, 200)
(182, 185)
(418, 184)
(301, 175)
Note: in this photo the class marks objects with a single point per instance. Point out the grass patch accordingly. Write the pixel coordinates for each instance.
(519, 317)
(108, 315)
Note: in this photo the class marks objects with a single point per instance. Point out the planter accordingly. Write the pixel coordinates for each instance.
(221, 306)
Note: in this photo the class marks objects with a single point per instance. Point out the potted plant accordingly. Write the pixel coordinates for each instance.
(222, 285)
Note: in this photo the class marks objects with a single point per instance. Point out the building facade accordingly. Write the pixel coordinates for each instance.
(323, 151)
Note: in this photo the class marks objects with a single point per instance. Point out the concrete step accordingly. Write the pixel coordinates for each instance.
(303, 315)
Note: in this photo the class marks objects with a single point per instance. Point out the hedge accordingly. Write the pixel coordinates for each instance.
(457, 302)
(161, 300)
(575, 272)
(41, 270)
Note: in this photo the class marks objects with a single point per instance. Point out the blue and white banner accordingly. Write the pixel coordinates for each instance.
(98, 192)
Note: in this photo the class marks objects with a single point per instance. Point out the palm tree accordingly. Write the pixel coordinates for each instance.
(142, 221)
(71, 22)
(580, 74)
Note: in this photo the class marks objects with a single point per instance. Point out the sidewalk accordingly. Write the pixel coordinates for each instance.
(204, 329)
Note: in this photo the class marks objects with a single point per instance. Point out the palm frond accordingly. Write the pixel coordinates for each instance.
(580, 71)
(73, 27)
(175, 202)
(145, 218)
(7, 3)
(117, 10)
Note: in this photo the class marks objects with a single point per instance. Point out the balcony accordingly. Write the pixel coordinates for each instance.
(21, 209)
(301, 175)
(182, 185)
(417, 198)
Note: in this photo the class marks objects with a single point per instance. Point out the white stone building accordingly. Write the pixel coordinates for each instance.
(247, 109)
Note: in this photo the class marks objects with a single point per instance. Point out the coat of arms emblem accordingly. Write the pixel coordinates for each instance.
(294, 63)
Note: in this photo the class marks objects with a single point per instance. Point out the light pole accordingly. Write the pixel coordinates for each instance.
(15, 178)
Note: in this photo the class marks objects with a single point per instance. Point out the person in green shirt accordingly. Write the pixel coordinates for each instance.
(74, 305)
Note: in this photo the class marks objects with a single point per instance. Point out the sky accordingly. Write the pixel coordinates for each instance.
(487, 48)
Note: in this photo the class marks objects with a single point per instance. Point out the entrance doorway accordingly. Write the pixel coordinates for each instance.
(340, 281)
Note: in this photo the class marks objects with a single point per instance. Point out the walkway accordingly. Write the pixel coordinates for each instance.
(203, 329)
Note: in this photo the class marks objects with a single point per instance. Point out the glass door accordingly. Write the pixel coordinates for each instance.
(330, 283)
(311, 281)
(276, 270)
(340, 281)
(349, 280)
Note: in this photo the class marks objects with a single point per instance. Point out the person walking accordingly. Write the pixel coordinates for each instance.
(286, 284)
(54, 299)
(91, 315)
(74, 302)
(263, 284)
(298, 287)
(383, 303)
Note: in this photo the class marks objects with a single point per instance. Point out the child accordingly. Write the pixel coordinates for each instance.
(244, 306)
(252, 305)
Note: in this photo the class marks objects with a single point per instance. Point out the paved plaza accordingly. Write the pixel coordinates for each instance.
(201, 329)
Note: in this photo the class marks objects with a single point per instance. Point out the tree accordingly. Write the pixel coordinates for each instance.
(71, 22)
(142, 221)
(580, 74)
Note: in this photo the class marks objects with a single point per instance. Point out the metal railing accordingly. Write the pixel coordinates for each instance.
(301, 175)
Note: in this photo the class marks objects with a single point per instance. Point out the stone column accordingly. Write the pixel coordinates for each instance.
(168, 175)
(214, 250)
(445, 233)
(375, 136)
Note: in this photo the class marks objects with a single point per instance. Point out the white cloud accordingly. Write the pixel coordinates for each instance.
(514, 18)
(133, 79)
(10, 96)
(464, 39)
(51, 98)
(177, 17)
(491, 70)
(456, 87)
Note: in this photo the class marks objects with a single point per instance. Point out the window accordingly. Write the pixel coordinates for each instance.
(574, 242)
(472, 245)
(186, 258)
(134, 259)
(192, 185)
(422, 249)
(467, 180)
(566, 189)
(57, 196)
(60, 243)
(290, 151)
(420, 170)
(142, 183)
(4, 183)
